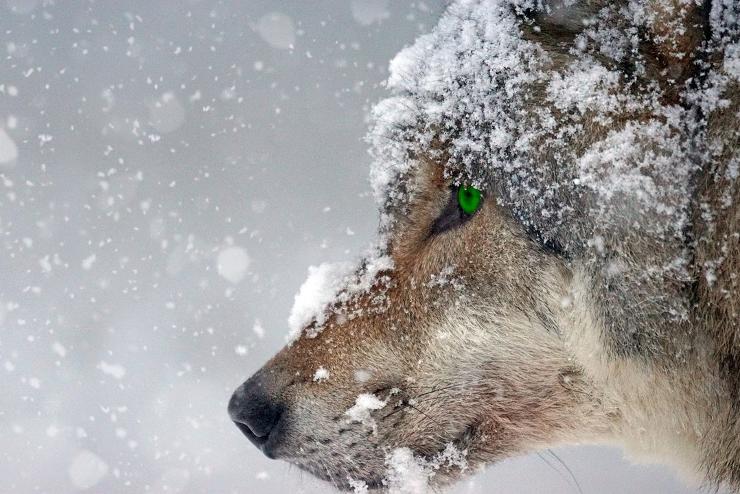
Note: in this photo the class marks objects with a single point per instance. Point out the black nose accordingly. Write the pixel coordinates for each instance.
(256, 414)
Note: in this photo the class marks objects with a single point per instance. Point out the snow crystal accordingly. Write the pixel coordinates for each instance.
(409, 474)
(365, 404)
(8, 149)
(52, 431)
(116, 371)
(321, 374)
(277, 30)
(321, 287)
(87, 470)
(45, 264)
(366, 12)
(87, 263)
(257, 329)
(59, 349)
(232, 263)
(732, 61)
(445, 277)
(406, 474)
(167, 114)
(358, 486)
(332, 283)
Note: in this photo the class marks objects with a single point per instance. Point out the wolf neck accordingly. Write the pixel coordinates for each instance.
(663, 405)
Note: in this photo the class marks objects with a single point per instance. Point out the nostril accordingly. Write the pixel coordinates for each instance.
(254, 413)
(256, 440)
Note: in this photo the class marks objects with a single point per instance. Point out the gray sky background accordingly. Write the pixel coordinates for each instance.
(168, 171)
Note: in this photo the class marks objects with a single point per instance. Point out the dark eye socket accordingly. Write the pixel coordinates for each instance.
(452, 216)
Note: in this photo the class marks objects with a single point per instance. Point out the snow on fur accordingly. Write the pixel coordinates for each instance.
(464, 94)
(323, 284)
(321, 374)
(469, 95)
(411, 474)
(361, 411)
(466, 88)
(330, 284)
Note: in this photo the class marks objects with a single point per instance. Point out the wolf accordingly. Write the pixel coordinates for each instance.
(557, 259)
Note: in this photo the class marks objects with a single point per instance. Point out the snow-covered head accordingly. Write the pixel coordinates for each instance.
(462, 338)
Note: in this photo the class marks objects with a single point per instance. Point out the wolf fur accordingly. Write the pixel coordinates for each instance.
(594, 296)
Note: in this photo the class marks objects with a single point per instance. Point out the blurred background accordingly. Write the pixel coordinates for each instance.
(168, 171)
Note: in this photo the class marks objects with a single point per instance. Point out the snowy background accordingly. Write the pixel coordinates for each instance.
(168, 171)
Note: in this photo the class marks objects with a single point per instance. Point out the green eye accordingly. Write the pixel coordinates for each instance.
(469, 199)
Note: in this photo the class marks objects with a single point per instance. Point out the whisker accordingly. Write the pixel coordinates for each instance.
(567, 469)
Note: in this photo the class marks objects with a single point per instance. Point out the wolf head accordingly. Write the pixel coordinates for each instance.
(457, 346)
(474, 334)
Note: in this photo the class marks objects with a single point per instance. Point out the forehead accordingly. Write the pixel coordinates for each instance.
(452, 90)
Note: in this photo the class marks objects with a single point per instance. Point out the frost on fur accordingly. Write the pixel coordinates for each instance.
(467, 87)
(332, 283)
(410, 474)
(361, 411)
(321, 374)
(463, 95)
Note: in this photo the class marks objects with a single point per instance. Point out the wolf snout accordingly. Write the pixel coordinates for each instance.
(257, 414)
